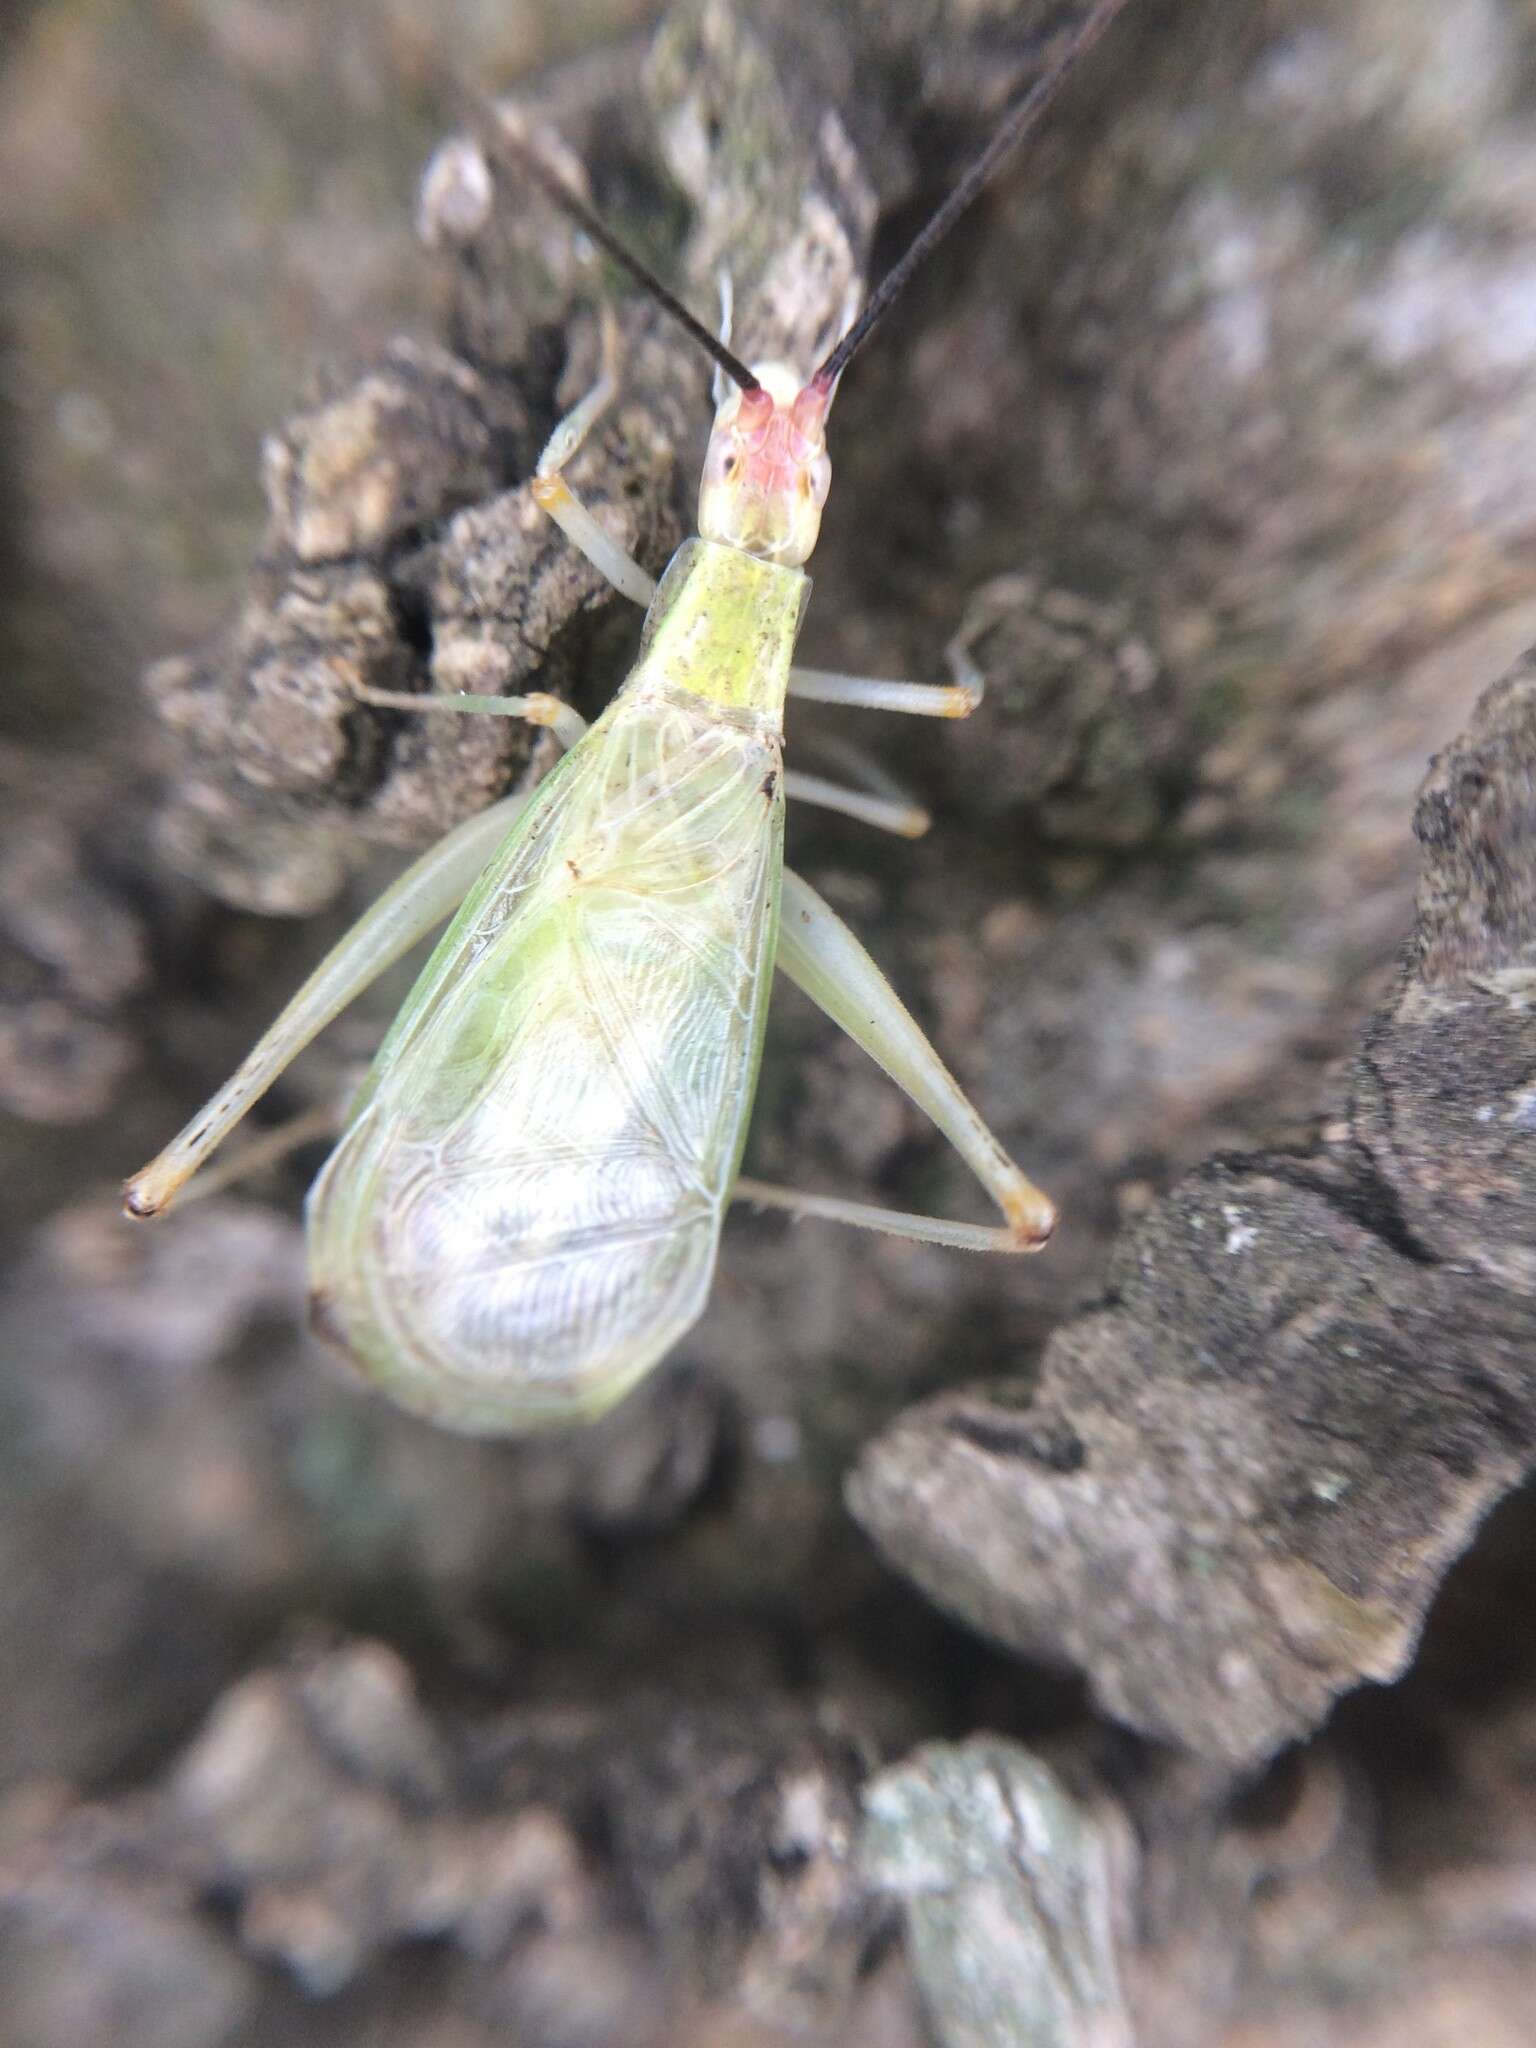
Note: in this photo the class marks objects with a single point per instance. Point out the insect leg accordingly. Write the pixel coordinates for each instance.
(924, 700)
(886, 814)
(874, 693)
(429, 890)
(555, 496)
(963, 1237)
(270, 1149)
(538, 707)
(876, 798)
(820, 955)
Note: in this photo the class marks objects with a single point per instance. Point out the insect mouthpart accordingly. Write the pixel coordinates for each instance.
(767, 474)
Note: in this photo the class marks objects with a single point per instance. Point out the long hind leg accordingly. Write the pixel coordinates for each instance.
(429, 891)
(269, 1149)
(432, 888)
(820, 955)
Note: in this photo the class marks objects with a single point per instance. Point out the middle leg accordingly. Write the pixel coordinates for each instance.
(875, 693)
(957, 699)
(893, 813)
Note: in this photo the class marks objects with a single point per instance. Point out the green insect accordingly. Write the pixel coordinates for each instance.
(523, 1213)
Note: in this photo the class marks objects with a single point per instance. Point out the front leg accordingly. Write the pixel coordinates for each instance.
(554, 495)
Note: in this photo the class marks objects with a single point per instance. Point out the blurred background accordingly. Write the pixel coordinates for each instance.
(742, 1718)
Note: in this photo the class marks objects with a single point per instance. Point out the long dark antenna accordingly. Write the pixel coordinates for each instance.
(1009, 133)
(493, 135)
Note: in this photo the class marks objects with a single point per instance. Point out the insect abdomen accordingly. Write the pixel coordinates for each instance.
(490, 1309)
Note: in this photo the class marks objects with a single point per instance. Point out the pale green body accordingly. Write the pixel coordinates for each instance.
(524, 1211)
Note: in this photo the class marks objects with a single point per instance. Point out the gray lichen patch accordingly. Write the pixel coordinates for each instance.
(1015, 1895)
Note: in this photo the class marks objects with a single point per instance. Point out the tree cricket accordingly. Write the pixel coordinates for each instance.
(523, 1212)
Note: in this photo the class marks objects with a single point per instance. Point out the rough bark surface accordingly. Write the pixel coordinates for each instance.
(1213, 428)
(1235, 1484)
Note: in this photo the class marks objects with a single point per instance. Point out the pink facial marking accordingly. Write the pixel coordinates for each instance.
(810, 407)
(774, 442)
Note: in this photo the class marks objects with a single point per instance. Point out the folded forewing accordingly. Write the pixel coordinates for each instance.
(524, 1213)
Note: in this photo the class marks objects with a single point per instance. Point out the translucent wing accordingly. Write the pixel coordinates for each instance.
(524, 1212)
